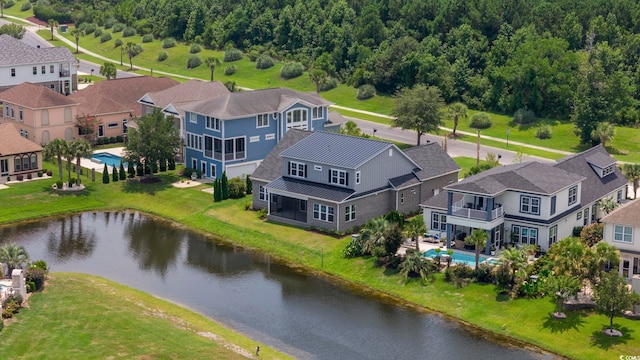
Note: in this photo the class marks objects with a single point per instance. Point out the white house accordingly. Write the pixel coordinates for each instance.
(622, 230)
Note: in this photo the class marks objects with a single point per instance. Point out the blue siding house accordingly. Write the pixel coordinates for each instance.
(235, 132)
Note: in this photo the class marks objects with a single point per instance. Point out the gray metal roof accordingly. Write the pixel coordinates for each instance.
(531, 177)
(15, 52)
(432, 159)
(271, 167)
(335, 149)
(247, 103)
(593, 187)
(311, 189)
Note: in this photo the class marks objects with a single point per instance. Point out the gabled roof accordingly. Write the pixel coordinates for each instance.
(432, 160)
(335, 118)
(593, 187)
(192, 90)
(441, 201)
(271, 167)
(118, 95)
(248, 103)
(627, 214)
(600, 160)
(339, 150)
(311, 189)
(532, 177)
(35, 97)
(12, 143)
(15, 52)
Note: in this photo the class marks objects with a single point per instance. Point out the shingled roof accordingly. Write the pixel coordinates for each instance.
(11, 143)
(35, 97)
(118, 95)
(627, 214)
(432, 160)
(189, 91)
(271, 167)
(248, 103)
(15, 52)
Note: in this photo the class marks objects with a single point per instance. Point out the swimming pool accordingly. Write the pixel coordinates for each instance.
(109, 159)
(459, 258)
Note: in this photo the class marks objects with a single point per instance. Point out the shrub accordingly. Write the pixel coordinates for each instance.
(484, 273)
(523, 117)
(354, 248)
(328, 84)
(119, 138)
(19, 177)
(162, 56)
(463, 271)
(291, 70)
(9, 4)
(49, 173)
(29, 177)
(237, 188)
(105, 175)
(128, 32)
(264, 62)
(89, 28)
(118, 27)
(40, 264)
(592, 234)
(112, 139)
(543, 132)
(105, 37)
(262, 214)
(366, 91)
(25, 6)
(230, 70)
(168, 43)
(108, 23)
(97, 32)
(40, 174)
(59, 184)
(37, 276)
(576, 231)
(194, 49)
(480, 120)
(172, 164)
(117, 43)
(194, 62)
(147, 38)
(232, 54)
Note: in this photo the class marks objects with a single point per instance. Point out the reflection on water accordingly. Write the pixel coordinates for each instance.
(297, 313)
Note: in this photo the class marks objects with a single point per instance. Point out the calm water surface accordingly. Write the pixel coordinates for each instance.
(300, 314)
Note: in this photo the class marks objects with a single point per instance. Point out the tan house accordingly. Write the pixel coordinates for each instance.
(38, 113)
(114, 103)
(19, 157)
(622, 230)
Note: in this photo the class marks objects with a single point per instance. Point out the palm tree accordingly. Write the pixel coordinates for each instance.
(52, 24)
(561, 287)
(632, 173)
(2, 2)
(479, 239)
(212, 62)
(457, 111)
(131, 49)
(414, 228)
(80, 149)
(108, 70)
(603, 132)
(350, 128)
(570, 257)
(372, 236)
(515, 258)
(77, 33)
(607, 205)
(479, 121)
(70, 156)
(415, 264)
(604, 253)
(56, 148)
(13, 255)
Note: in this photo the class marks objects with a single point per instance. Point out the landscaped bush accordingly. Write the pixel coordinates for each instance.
(480, 121)
(195, 48)
(162, 56)
(117, 43)
(59, 184)
(40, 264)
(118, 27)
(232, 54)
(128, 32)
(543, 132)
(237, 188)
(168, 43)
(194, 62)
(105, 37)
(29, 176)
(97, 32)
(45, 13)
(484, 273)
(230, 70)
(188, 171)
(49, 173)
(328, 84)
(37, 276)
(19, 177)
(108, 23)
(366, 91)
(9, 4)
(291, 70)
(147, 38)
(264, 62)
(524, 117)
(89, 28)
(119, 139)
(25, 6)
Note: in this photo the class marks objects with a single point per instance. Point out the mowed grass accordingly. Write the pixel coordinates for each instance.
(87, 317)
(521, 320)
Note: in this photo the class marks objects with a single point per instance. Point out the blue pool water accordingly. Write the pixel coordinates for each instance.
(459, 258)
(109, 159)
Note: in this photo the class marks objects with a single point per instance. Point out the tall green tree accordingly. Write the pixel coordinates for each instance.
(132, 49)
(52, 25)
(70, 155)
(479, 121)
(80, 149)
(13, 255)
(224, 183)
(604, 254)
(513, 259)
(632, 173)
(571, 257)
(154, 137)
(2, 4)
(105, 175)
(350, 128)
(248, 184)
(108, 70)
(603, 132)
(560, 287)
(56, 148)
(122, 173)
(418, 108)
(114, 174)
(478, 238)
(15, 30)
(77, 34)
(455, 112)
(611, 297)
(212, 62)
(414, 228)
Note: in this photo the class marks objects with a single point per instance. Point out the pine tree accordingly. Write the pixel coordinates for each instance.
(225, 186)
(249, 186)
(130, 170)
(122, 174)
(217, 190)
(114, 175)
(139, 169)
(163, 165)
(105, 175)
(172, 163)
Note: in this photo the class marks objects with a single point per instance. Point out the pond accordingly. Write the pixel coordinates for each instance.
(300, 314)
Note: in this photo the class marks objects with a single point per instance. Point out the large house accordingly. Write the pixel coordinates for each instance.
(334, 181)
(18, 156)
(114, 103)
(527, 203)
(54, 68)
(234, 132)
(622, 230)
(38, 113)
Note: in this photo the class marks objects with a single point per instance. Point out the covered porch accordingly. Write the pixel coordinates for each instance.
(457, 233)
(287, 207)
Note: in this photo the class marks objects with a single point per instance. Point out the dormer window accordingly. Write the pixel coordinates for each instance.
(339, 177)
(608, 170)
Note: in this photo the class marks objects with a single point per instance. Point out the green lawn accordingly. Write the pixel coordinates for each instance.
(523, 320)
(88, 317)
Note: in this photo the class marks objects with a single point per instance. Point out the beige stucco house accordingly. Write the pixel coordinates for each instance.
(18, 156)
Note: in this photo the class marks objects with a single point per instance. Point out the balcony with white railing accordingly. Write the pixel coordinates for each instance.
(466, 210)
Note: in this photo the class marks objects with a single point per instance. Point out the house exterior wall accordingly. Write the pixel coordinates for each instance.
(43, 125)
(62, 72)
(368, 207)
(255, 195)
(8, 163)
(112, 124)
(629, 252)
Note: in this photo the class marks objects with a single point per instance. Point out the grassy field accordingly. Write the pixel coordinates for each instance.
(83, 316)
(480, 305)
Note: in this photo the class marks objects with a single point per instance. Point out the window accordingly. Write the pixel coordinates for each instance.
(317, 167)
(297, 119)
(623, 233)
(13, 72)
(51, 69)
(113, 125)
(608, 170)
(618, 195)
(34, 161)
(262, 193)
(553, 235)
(213, 171)
(338, 177)
(402, 198)
(124, 126)
(585, 217)
(26, 134)
(594, 212)
(438, 221)
(194, 141)
(212, 123)
(4, 166)
(579, 215)
(525, 235)
(20, 114)
(350, 213)
(193, 118)
(234, 149)
(43, 69)
(217, 149)
(323, 212)
(35, 70)
(553, 204)
(357, 177)
(316, 113)
(529, 205)
(17, 162)
(68, 117)
(262, 120)
(573, 195)
(297, 169)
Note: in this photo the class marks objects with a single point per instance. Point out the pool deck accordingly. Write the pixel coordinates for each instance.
(87, 163)
(426, 246)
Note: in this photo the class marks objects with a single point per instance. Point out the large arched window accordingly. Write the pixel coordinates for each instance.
(34, 161)
(17, 163)
(25, 162)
